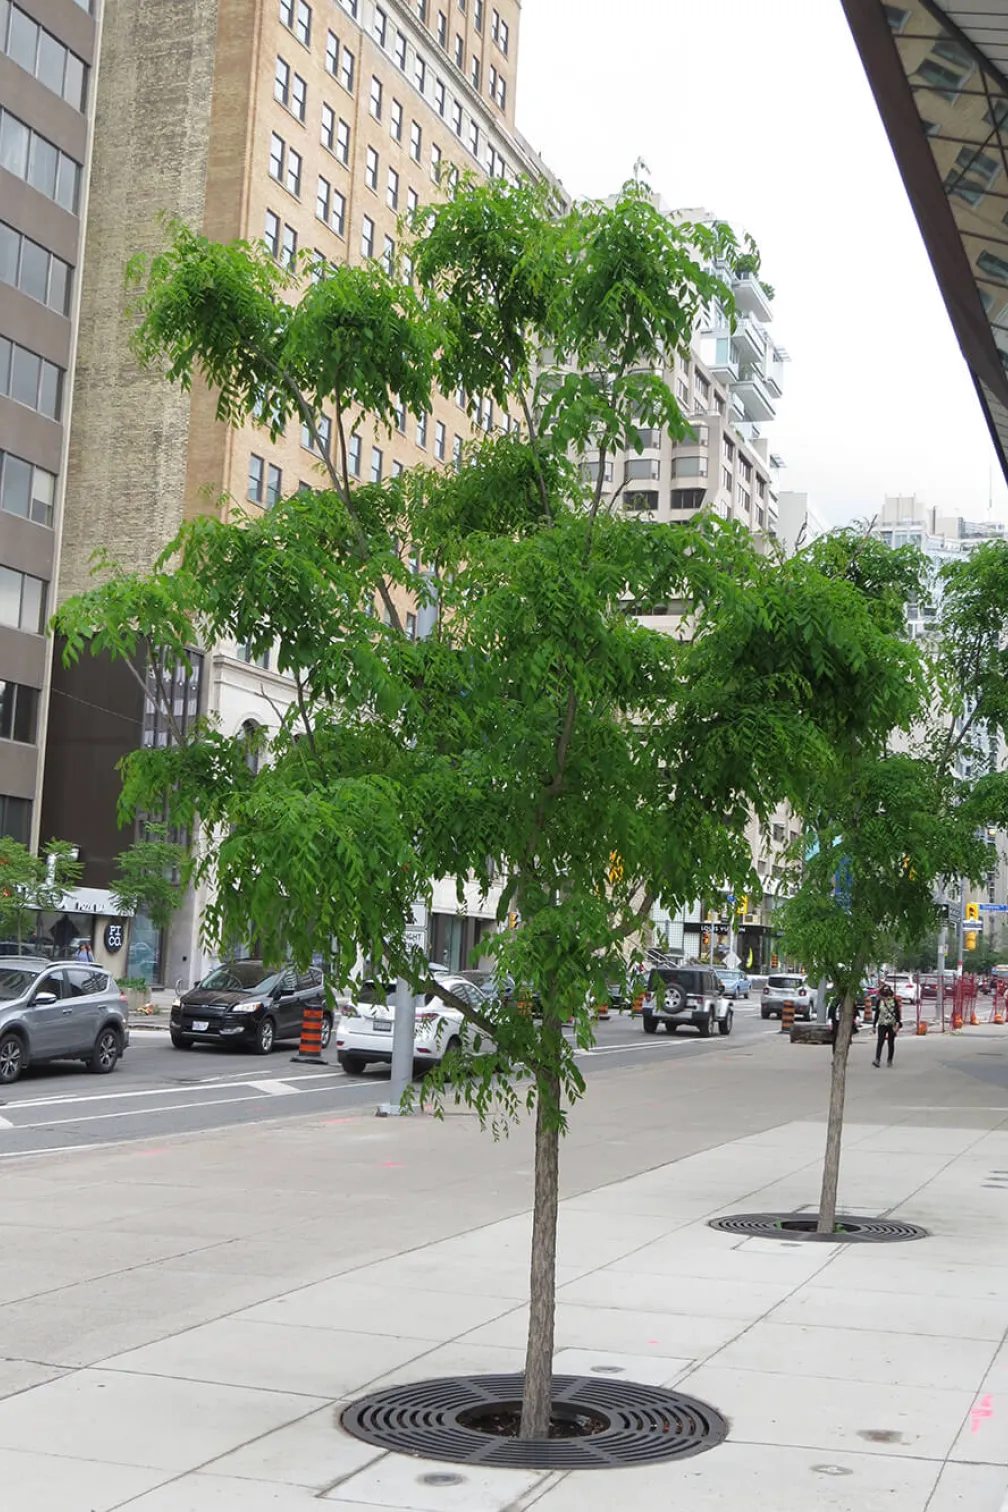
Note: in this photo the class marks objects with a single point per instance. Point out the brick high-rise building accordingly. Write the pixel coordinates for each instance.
(47, 54)
(311, 124)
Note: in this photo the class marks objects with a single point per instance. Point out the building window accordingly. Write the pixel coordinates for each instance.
(22, 601)
(474, 138)
(388, 255)
(420, 73)
(440, 97)
(371, 169)
(302, 24)
(274, 485)
(293, 180)
(354, 456)
(337, 217)
(276, 159)
(396, 120)
(435, 162)
(457, 117)
(399, 51)
(376, 464)
(18, 712)
(299, 98)
(34, 270)
(412, 201)
(350, 6)
(411, 627)
(457, 453)
(38, 162)
(346, 72)
(322, 199)
(15, 818)
(439, 440)
(416, 141)
(421, 430)
(442, 29)
(478, 15)
(26, 490)
(257, 468)
(281, 82)
(501, 94)
(244, 653)
(41, 54)
(328, 126)
(287, 13)
(332, 50)
(421, 10)
(367, 237)
(30, 380)
(726, 480)
(289, 248)
(392, 192)
(474, 72)
(379, 26)
(343, 142)
(376, 98)
(459, 51)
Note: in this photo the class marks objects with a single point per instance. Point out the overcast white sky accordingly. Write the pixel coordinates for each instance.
(759, 110)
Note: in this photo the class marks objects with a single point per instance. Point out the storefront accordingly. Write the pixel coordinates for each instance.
(86, 914)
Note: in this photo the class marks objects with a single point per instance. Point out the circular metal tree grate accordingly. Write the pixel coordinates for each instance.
(622, 1422)
(798, 1226)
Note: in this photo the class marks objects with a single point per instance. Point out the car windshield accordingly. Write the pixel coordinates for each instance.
(238, 976)
(787, 982)
(15, 981)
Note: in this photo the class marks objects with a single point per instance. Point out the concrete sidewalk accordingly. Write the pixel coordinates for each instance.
(854, 1377)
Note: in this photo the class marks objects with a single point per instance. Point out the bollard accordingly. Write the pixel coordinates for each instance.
(787, 1018)
(310, 1048)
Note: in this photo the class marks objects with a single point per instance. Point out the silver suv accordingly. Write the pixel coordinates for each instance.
(59, 1010)
(693, 995)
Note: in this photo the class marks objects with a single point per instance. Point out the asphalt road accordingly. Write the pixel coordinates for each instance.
(157, 1091)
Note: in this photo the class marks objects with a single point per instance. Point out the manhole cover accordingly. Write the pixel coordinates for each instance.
(799, 1226)
(629, 1424)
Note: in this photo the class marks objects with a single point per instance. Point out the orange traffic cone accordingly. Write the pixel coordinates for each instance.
(310, 1048)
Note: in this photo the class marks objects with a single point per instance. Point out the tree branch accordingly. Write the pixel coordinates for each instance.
(534, 443)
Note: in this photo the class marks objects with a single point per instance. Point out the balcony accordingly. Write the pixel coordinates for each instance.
(750, 341)
(751, 297)
(752, 390)
(725, 365)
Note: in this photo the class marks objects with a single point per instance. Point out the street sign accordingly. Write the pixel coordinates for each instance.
(416, 939)
(994, 907)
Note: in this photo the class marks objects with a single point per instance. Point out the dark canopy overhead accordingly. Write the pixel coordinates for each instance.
(939, 73)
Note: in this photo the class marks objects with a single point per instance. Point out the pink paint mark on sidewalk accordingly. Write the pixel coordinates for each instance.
(984, 1409)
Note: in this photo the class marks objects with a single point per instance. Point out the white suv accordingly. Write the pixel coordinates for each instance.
(787, 991)
(365, 1030)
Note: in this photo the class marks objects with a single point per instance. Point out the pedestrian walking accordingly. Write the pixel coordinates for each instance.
(84, 952)
(888, 1019)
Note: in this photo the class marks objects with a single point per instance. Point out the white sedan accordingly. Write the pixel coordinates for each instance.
(365, 1030)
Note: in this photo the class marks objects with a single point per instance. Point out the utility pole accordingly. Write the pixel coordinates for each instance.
(961, 932)
(403, 1037)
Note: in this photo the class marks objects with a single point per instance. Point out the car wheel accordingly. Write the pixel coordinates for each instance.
(706, 1025)
(12, 1058)
(107, 1050)
(725, 1025)
(764, 1013)
(352, 1064)
(326, 1031)
(265, 1036)
(180, 1042)
(650, 1024)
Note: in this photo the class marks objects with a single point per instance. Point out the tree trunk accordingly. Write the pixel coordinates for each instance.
(834, 1126)
(537, 1400)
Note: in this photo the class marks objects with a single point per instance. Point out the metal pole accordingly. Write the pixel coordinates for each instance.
(962, 928)
(403, 1037)
(942, 946)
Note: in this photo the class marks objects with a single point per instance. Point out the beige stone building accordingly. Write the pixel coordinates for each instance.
(310, 125)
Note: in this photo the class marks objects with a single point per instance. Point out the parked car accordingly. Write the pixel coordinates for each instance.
(59, 1010)
(677, 995)
(784, 991)
(250, 1004)
(735, 983)
(365, 1030)
(906, 987)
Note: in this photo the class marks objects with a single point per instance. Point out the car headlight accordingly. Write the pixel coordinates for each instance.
(245, 1007)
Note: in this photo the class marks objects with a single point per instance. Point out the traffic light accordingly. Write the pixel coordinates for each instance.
(512, 921)
(615, 867)
(971, 938)
(973, 911)
(743, 907)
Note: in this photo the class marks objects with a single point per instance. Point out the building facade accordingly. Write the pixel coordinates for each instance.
(310, 125)
(48, 52)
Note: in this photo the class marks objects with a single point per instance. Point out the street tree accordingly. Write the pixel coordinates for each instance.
(31, 884)
(150, 875)
(890, 823)
(540, 728)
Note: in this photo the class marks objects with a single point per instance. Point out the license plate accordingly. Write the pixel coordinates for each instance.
(200, 1025)
(382, 1026)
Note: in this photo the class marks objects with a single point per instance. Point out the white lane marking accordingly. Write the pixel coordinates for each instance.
(622, 1049)
(5, 1123)
(187, 1107)
(175, 1090)
(275, 1088)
